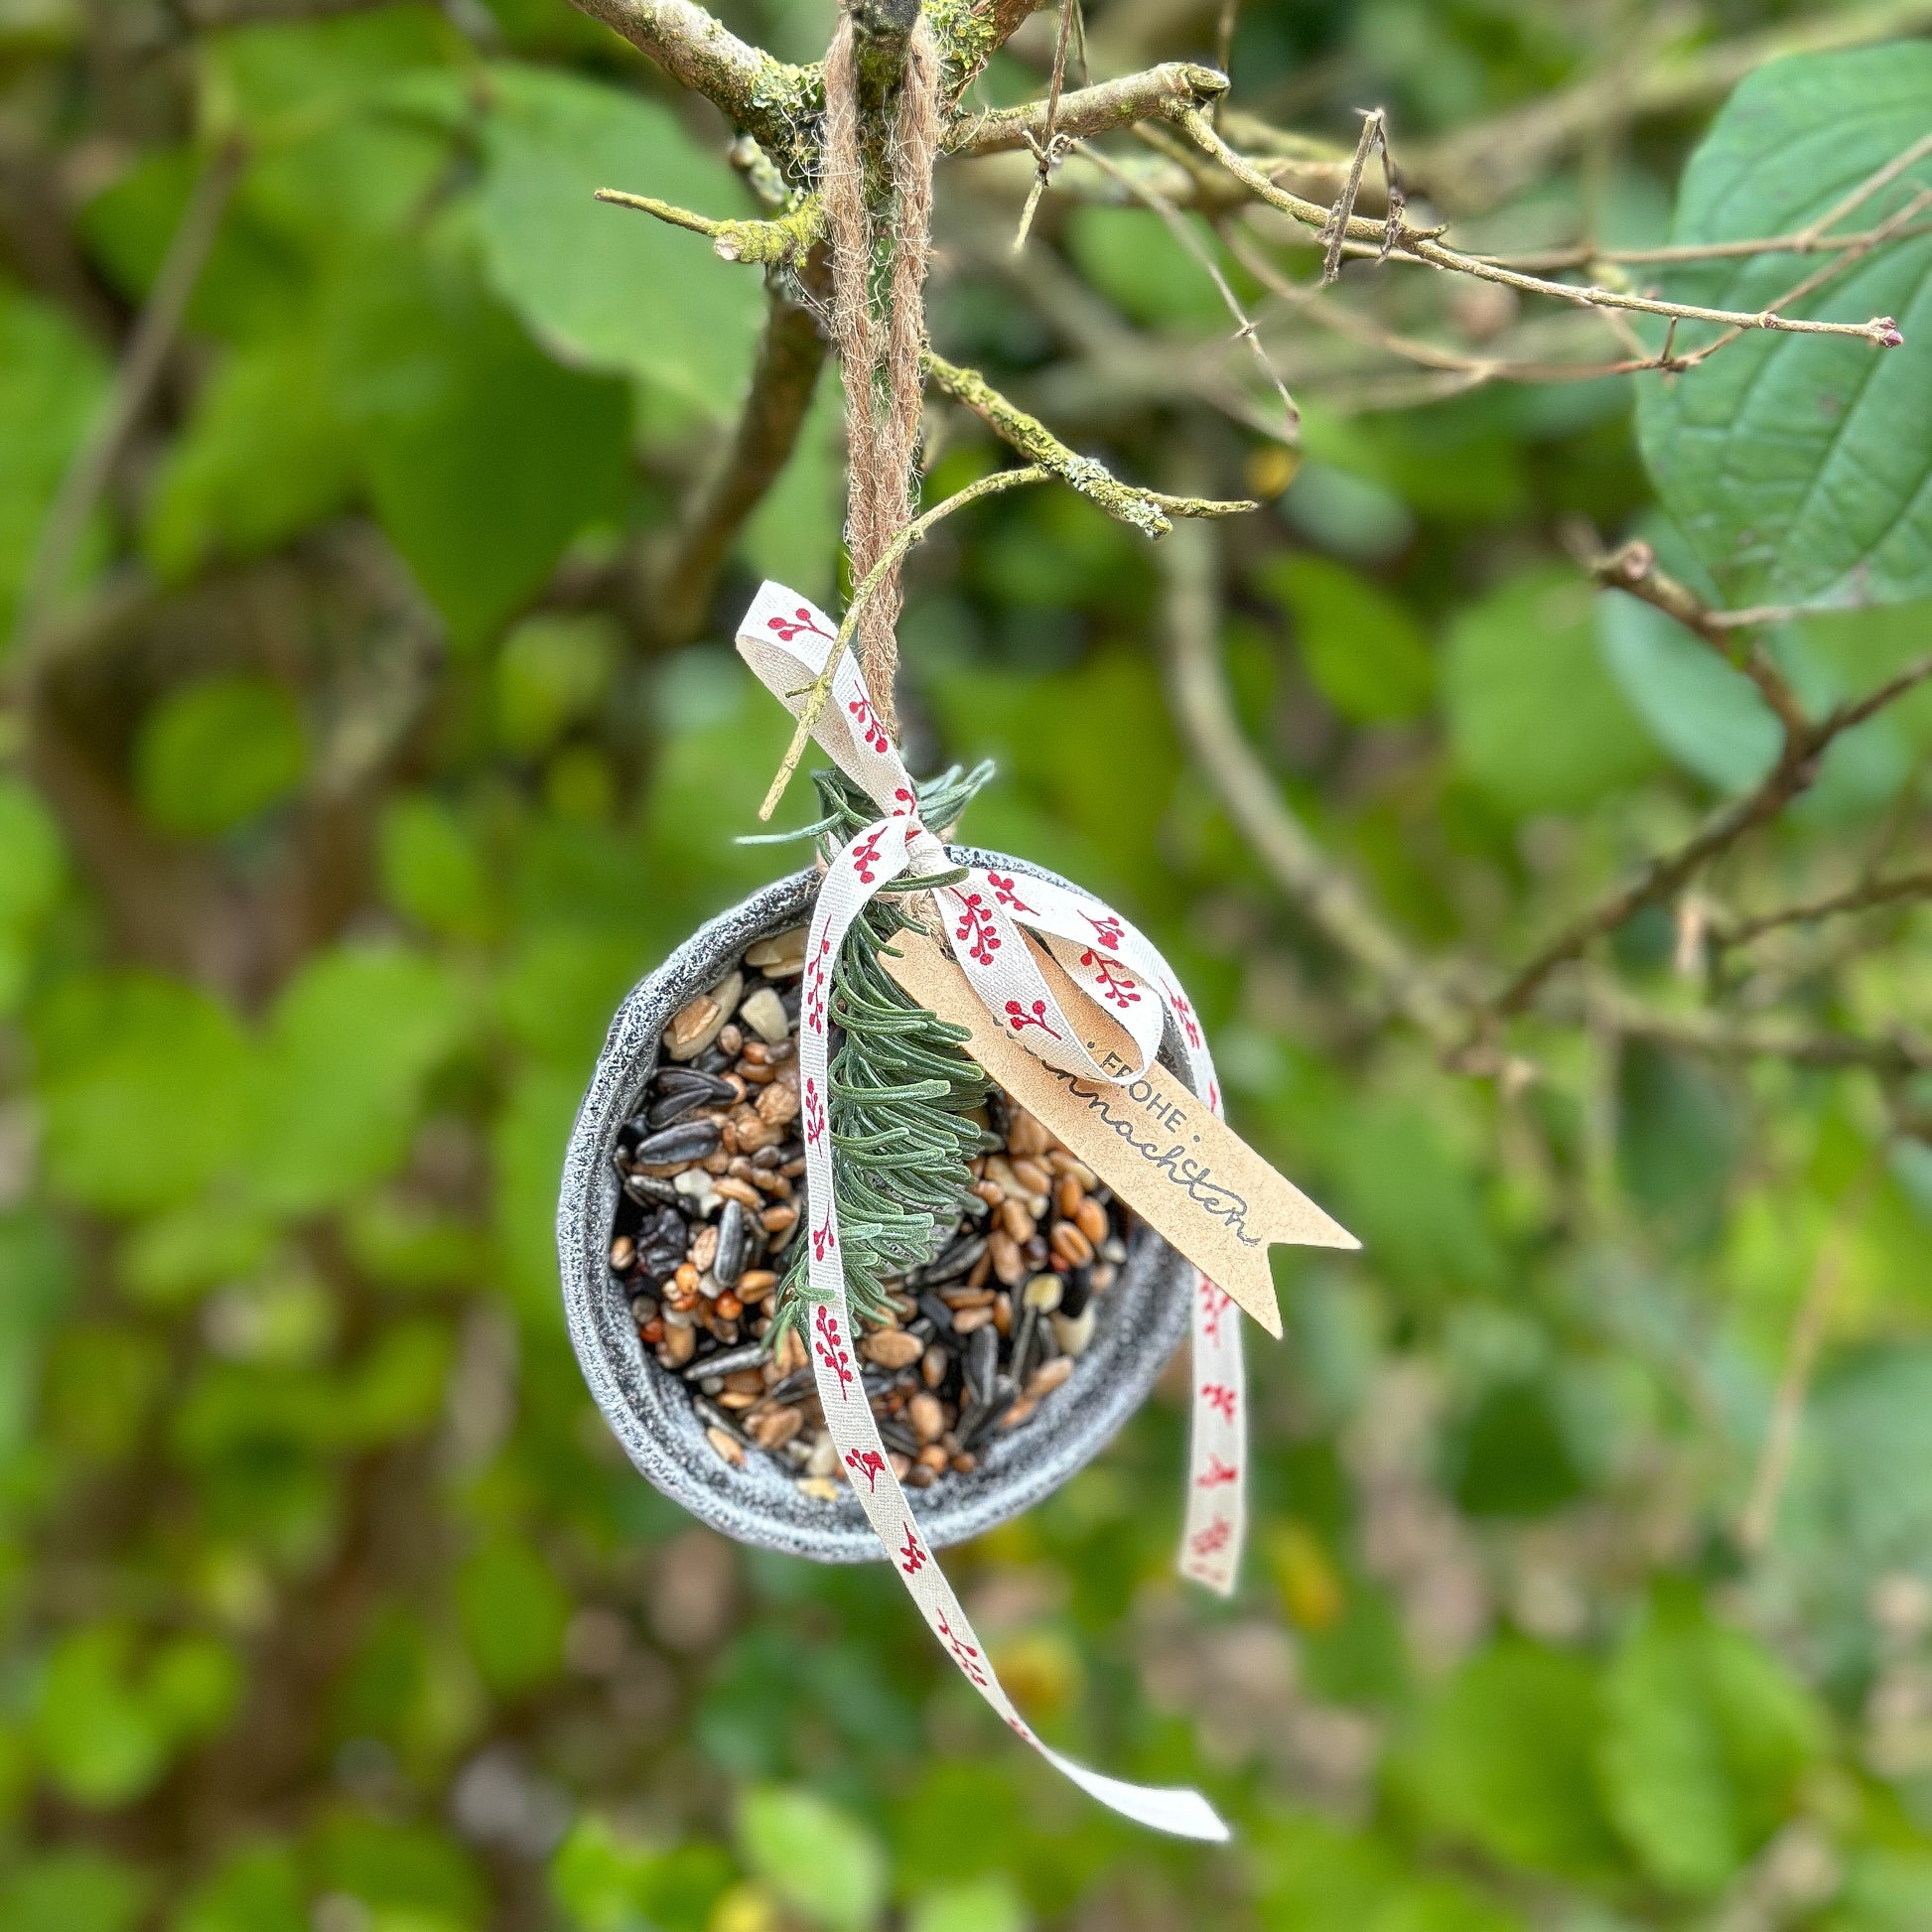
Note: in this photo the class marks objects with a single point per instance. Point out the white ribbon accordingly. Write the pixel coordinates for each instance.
(785, 640)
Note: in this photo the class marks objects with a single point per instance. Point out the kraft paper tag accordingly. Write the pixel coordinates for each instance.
(1181, 1167)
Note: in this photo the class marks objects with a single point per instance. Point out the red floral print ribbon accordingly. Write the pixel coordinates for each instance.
(785, 640)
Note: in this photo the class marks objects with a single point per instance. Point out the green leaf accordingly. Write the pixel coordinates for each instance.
(1138, 262)
(216, 752)
(513, 1614)
(264, 456)
(107, 1722)
(1800, 467)
(1365, 651)
(52, 380)
(819, 1860)
(66, 1891)
(1505, 1760)
(145, 1089)
(433, 872)
(552, 670)
(608, 1883)
(482, 456)
(1705, 1737)
(349, 1042)
(608, 287)
(257, 1888)
(32, 869)
(1535, 720)
(989, 1904)
(793, 534)
(1705, 713)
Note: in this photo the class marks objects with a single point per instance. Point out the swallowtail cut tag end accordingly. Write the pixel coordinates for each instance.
(1181, 1167)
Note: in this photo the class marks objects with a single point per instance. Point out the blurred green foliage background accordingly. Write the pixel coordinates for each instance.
(352, 778)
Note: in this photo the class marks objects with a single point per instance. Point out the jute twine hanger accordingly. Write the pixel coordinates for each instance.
(880, 330)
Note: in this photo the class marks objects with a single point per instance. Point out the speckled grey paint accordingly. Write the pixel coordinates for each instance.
(1143, 1315)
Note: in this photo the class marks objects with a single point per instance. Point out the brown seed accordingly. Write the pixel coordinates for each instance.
(1016, 1223)
(1048, 1376)
(623, 1253)
(1070, 1244)
(1007, 1262)
(967, 1298)
(704, 1248)
(1067, 1196)
(967, 1320)
(918, 1476)
(933, 1457)
(965, 1462)
(754, 1130)
(1002, 1314)
(735, 1399)
(741, 1191)
(928, 1419)
(1019, 1412)
(1091, 1219)
(775, 1220)
(1032, 1175)
(789, 1355)
(716, 1161)
(778, 1104)
(730, 1040)
(678, 1346)
(769, 1181)
(933, 1366)
(982, 1268)
(1063, 1163)
(686, 1279)
(1026, 1135)
(755, 1077)
(892, 1348)
(652, 1332)
(901, 1464)
(989, 1192)
(754, 1282)
(774, 1428)
(730, 1308)
(754, 1054)
(727, 1447)
(1103, 1278)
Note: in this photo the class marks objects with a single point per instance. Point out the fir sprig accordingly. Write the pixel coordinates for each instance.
(904, 1099)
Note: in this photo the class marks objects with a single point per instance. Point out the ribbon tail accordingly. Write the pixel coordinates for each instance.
(872, 860)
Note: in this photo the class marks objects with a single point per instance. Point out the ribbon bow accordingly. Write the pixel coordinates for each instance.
(786, 641)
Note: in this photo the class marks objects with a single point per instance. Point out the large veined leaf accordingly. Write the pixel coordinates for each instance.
(602, 285)
(1800, 467)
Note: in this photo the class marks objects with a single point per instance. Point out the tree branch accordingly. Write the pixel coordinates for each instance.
(1150, 512)
(134, 382)
(790, 357)
(768, 98)
(1321, 889)
(1900, 890)
(1159, 94)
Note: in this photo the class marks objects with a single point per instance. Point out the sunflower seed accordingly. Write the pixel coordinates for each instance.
(690, 1140)
(734, 1244)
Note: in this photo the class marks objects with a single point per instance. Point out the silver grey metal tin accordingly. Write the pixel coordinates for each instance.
(650, 1412)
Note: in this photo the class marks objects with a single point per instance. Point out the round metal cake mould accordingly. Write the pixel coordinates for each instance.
(648, 1409)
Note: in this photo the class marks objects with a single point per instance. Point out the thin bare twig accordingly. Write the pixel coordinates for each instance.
(1421, 246)
(1050, 148)
(867, 587)
(1184, 232)
(1901, 888)
(1633, 569)
(1335, 232)
(134, 382)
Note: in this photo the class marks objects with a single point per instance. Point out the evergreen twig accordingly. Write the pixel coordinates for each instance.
(905, 1101)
